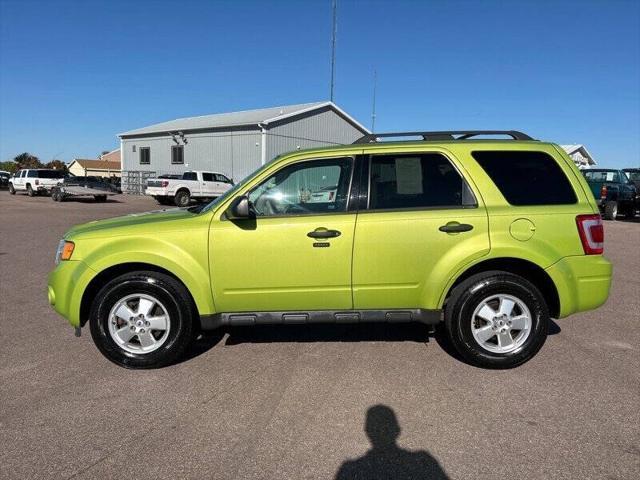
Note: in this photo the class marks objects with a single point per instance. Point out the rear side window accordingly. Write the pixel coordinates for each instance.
(527, 178)
(32, 173)
(190, 176)
(602, 176)
(50, 173)
(426, 180)
(208, 177)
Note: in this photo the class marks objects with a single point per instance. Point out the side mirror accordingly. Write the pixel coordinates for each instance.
(240, 209)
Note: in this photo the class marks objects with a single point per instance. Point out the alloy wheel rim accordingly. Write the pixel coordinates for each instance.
(501, 323)
(139, 323)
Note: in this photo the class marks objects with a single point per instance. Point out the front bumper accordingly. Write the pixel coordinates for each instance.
(66, 285)
(583, 282)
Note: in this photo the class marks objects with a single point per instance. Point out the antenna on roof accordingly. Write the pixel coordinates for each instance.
(333, 47)
(373, 108)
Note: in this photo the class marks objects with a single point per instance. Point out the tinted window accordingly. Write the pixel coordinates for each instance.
(527, 178)
(208, 177)
(145, 155)
(316, 186)
(222, 178)
(602, 176)
(415, 181)
(177, 154)
(190, 176)
(32, 173)
(50, 174)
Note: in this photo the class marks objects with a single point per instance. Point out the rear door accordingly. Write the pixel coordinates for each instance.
(421, 221)
(193, 183)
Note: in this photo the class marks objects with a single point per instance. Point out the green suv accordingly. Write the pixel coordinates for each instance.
(488, 237)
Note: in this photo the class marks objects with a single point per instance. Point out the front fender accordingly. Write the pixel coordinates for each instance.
(185, 258)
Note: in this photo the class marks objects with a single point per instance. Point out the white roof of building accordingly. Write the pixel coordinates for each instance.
(581, 149)
(236, 119)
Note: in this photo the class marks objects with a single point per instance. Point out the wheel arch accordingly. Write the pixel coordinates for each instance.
(517, 266)
(108, 274)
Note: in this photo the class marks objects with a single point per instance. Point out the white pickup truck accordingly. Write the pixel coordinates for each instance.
(168, 189)
(34, 180)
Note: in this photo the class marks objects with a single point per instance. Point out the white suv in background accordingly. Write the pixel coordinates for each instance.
(35, 180)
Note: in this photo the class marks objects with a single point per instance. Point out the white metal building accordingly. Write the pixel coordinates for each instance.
(580, 155)
(232, 143)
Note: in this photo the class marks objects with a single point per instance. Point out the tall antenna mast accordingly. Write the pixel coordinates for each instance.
(373, 108)
(333, 46)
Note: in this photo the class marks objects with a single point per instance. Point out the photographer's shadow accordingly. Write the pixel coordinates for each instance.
(385, 459)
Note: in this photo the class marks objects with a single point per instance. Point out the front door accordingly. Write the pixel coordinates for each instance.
(421, 221)
(296, 254)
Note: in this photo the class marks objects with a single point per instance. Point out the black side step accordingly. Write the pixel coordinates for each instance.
(429, 317)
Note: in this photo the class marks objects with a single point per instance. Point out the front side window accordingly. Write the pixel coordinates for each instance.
(311, 187)
(145, 155)
(527, 178)
(190, 176)
(427, 180)
(222, 178)
(177, 154)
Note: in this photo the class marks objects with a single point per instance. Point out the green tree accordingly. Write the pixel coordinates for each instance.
(26, 160)
(9, 166)
(57, 164)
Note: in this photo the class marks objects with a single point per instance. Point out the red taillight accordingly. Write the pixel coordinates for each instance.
(603, 191)
(591, 232)
(164, 183)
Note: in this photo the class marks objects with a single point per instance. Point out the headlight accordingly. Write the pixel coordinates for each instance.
(64, 251)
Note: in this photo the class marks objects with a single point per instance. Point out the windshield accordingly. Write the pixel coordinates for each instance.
(222, 198)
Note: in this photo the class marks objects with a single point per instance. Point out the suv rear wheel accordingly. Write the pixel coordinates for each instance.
(496, 320)
(142, 320)
(12, 189)
(30, 191)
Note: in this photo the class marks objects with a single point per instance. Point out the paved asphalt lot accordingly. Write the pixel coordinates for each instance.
(292, 402)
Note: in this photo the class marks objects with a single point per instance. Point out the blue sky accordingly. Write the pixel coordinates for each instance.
(74, 74)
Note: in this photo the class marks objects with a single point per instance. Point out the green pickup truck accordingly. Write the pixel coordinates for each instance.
(615, 191)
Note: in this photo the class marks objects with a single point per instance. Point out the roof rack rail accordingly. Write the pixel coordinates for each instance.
(444, 135)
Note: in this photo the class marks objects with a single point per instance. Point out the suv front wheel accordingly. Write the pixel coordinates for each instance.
(496, 320)
(142, 320)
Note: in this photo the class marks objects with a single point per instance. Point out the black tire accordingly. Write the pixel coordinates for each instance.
(54, 194)
(12, 189)
(470, 294)
(611, 210)
(100, 198)
(30, 191)
(182, 198)
(177, 302)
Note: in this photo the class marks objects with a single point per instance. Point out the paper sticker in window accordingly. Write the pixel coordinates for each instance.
(409, 175)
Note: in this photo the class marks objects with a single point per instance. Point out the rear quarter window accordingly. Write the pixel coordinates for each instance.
(527, 178)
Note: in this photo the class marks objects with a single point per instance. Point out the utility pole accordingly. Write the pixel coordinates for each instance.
(333, 47)
(373, 109)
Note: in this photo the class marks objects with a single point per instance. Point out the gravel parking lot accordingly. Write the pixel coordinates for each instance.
(308, 402)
